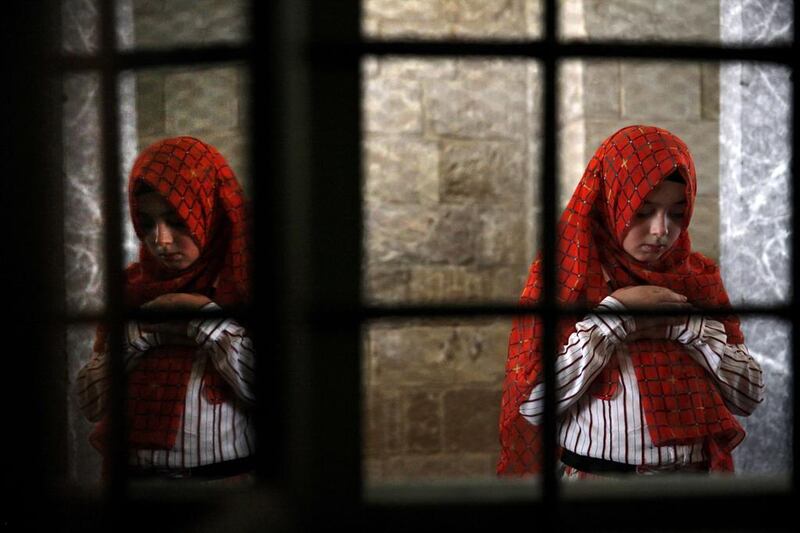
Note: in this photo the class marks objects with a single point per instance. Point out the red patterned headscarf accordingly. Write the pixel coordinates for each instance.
(197, 182)
(679, 401)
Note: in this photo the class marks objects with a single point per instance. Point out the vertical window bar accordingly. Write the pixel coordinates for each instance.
(112, 213)
(548, 199)
(795, 338)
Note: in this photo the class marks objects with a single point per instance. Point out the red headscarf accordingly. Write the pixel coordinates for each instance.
(679, 401)
(197, 182)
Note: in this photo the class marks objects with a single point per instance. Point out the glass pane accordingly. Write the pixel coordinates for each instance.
(450, 163)
(83, 217)
(177, 23)
(80, 26)
(83, 192)
(83, 460)
(768, 446)
(729, 21)
(210, 103)
(452, 19)
(741, 220)
(755, 180)
(432, 399)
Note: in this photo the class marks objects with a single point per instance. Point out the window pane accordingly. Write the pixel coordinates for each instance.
(83, 224)
(735, 119)
(83, 461)
(80, 26)
(768, 446)
(175, 23)
(210, 103)
(729, 21)
(451, 153)
(452, 19)
(432, 399)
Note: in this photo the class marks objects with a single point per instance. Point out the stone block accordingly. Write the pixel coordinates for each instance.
(454, 284)
(486, 18)
(416, 68)
(488, 100)
(440, 467)
(403, 234)
(704, 228)
(505, 237)
(201, 100)
(150, 102)
(661, 90)
(401, 170)
(384, 422)
(392, 105)
(482, 171)
(386, 285)
(602, 88)
(710, 100)
(423, 421)
(439, 284)
(470, 420)
(645, 20)
(189, 22)
(407, 10)
(534, 19)
(438, 352)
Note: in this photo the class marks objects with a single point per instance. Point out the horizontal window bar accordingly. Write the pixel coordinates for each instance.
(541, 49)
(125, 60)
(426, 311)
(421, 311)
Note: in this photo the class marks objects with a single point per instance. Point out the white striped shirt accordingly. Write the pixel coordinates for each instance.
(210, 433)
(615, 429)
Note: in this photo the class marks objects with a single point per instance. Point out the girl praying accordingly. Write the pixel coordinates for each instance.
(189, 383)
(648, 394)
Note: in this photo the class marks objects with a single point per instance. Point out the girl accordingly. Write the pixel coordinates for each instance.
(644, 394)
(190, 384)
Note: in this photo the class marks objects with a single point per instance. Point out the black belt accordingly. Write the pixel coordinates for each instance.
(592, 465)
(210, 471)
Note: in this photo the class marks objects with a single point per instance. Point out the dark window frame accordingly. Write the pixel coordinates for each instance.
(305, 66)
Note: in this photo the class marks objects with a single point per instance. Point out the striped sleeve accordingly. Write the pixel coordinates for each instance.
(93, 379)
(586, 353)
(230, 349)
(738, 375)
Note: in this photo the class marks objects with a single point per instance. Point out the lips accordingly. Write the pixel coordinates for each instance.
(653, 248)
(170, 257)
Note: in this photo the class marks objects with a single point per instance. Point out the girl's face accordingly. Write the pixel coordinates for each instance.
(165, 234)
(657, 224)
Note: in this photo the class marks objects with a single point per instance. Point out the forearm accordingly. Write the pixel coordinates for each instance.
(737, 374)
(230, 350)
(93, 380)
(579, 362)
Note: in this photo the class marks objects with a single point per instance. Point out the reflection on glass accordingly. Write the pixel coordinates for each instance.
(80, 26)
(84, 463)
(209, 381)
(177, 23)
(449, 176)
(189, 391)
(83, 222)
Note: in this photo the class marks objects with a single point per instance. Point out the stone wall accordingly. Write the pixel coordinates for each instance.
(451, 151)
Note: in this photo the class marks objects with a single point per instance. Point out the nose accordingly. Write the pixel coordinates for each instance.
(163, 234)
(658, 225)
